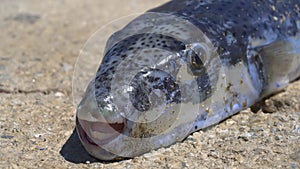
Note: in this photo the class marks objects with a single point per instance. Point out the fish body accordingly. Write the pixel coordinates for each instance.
(184, 66)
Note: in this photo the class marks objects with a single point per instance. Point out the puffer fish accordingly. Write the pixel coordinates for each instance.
(184, 66)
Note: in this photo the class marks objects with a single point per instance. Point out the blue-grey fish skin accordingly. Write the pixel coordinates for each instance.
(241, 19)
(229, 24)
(258, 44)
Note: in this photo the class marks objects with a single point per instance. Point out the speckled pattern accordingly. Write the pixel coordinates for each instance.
(39, 46)
(235, 68)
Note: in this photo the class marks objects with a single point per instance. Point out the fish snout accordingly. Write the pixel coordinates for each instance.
(97, 126)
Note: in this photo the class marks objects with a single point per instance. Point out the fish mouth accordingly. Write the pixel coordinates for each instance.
(98, 133)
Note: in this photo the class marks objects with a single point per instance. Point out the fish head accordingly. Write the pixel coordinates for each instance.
(146, 93)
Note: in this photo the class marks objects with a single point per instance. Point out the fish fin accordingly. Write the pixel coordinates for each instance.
(280, 62)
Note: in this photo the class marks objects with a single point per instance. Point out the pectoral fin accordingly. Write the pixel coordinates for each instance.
(280, 64)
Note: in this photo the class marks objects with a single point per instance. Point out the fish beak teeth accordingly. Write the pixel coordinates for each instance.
(99, 133)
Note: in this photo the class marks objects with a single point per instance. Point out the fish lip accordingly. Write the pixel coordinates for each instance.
(94, 149)
(86, 138)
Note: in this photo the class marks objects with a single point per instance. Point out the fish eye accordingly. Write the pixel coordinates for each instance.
(195, 60)
(197, 56)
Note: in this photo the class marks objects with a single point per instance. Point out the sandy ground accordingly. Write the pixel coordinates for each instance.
(40, 42)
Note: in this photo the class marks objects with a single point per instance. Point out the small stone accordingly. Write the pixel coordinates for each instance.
(191, 155)
(279, 138)
(293, 166)
(147, 155)
(245, 136)
(17, 103)
(230, 121)
(67, 67)
(268, 106)
(37, 135)
(297, 129)
(42, 149)
(184, 165)
(213, 153)
(59, 95)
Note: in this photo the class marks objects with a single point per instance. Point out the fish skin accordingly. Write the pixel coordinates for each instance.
(251, 38)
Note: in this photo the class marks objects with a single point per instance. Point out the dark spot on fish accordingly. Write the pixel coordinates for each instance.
(245, 104)
(131, 48)
(229, 86)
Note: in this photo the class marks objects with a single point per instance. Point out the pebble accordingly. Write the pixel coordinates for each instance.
(59, 95)
(245, 136)
(43, 148)
(184, 165)
(297, 129)
(293, 166)
(67, 67)
(278, 137)
(213, 153)
(268, 106)
(17, 103)
(191, 155)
